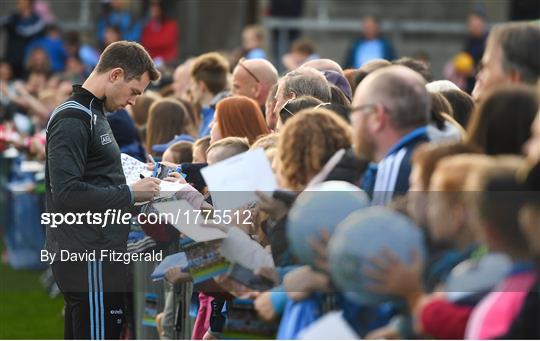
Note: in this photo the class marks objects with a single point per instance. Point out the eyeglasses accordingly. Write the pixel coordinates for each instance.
(322, 105)
(240, 63)
(284, 107)
(364, 108)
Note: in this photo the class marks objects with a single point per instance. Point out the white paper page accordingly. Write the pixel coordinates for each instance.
(167, 188)
(189, 223)
(331, 326)
(175, 260)
(133, 168)
(239, 248)
(233, 182)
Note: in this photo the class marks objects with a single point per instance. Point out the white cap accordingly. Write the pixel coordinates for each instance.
(442, 85)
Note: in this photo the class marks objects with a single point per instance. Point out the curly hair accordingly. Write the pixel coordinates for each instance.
(307, 142)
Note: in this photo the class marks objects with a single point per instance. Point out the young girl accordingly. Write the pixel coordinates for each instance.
(238, 116)
(498, 209)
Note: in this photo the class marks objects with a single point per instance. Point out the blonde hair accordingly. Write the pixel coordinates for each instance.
(266, 142)
(499, 165)
(452, 173)
(203, 142)
(233, 145)
(181, 151)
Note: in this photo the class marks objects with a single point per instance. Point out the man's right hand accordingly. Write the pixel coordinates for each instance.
(145, 189)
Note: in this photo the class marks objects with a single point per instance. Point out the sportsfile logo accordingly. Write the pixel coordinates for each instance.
(114, 216)
(105, 139)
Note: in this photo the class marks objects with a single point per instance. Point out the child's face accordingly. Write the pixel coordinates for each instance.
(168, 156)
(199, 155)
(196, 90)
(215, 132)
(440, 224)
(298, 56)
(249, 39)
(417, 197)
(444, 218)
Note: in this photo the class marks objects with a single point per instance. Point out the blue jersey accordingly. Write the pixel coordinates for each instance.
(390, 177)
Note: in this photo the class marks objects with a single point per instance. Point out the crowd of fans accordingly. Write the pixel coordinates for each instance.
(448, 180)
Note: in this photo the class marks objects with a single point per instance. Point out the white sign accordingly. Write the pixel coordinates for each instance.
(233, 182)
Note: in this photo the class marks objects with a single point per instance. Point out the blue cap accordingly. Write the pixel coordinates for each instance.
(340, 81)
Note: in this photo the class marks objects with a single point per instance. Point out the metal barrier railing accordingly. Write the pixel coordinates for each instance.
(394, 29)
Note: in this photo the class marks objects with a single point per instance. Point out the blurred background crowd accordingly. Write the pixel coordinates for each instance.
(392, 99)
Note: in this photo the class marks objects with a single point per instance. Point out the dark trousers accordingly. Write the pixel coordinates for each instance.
(93, 295)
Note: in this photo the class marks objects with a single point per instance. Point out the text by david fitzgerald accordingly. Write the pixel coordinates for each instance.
(103, 255)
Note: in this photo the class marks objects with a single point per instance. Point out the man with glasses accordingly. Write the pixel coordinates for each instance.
(305, 81)
(389, 117)
(254, 78)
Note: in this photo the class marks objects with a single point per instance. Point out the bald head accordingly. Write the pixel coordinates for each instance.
(323, 64)
(182, 78)
(401, 90)
(264, 70)
(254, 78)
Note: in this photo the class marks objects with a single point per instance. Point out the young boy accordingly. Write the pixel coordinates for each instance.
(179, 152)
(199, 149)
(226, 148)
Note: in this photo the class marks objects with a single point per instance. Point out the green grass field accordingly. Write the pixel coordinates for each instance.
(26, 311)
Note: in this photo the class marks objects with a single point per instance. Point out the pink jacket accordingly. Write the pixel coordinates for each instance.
(494, 315)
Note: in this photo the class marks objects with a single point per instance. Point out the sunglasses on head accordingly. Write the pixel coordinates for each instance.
(241, 64)
(284, 107)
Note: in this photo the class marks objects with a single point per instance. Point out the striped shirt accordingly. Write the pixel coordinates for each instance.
(390, 177)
